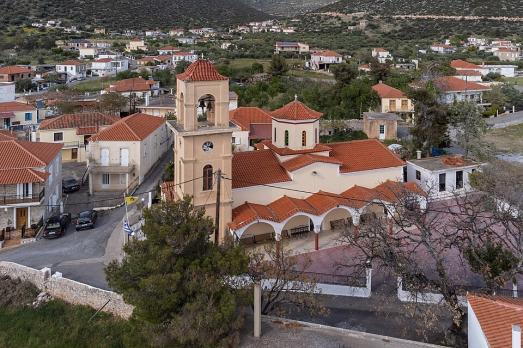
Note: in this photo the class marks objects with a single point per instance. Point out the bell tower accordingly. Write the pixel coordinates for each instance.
(203, 141)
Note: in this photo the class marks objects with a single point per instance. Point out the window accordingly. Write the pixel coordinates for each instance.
(382, 129)
(304, 138)
(316, 135)
(207, 178)
(58, 136)
(286, 138)
(405, 177)
(28, 116)
(274, 134)
(459, 179)
(418, 175)
(234, 140)
(392, 105)
(106, 179)
(404, 105)
(442, 180)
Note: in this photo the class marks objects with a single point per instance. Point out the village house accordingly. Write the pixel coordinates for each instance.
(393, 100)
(187, 40)
(382, 55)
(72, 69)
(18, 116)
(184, 56)
(291, 47)
(455, 89)
(168, 49)
(254, 124)
(464, 69)
(494, 321)
(121, 155)
(89, 52)
(507, 54)
(162, 106)
(176, 32)
(7, 92)
(292, 184)
(364, 68)
(15, 73)
(442, 177)
(322, 60)
(30, 186)
(73, 132)
(136, 45)
(442, 48)
(379, 125)
(136, 86)
(109, 66)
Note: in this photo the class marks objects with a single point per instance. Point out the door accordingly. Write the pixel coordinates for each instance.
(382, 132)
(124, 157)
(74, 154)
(21, 218)
(104, 156)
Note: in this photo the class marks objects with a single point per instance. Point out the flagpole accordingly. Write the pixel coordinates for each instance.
(126, 215)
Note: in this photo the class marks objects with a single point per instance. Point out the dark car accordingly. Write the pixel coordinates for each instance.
(56, 226)
(86, 220)
(70, 185)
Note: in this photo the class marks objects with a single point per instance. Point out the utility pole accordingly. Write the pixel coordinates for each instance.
(218, 194)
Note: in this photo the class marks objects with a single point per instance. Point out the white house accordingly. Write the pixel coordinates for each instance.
(443, 176)
(322, 60)
(88, 52)
(186, 40)
(7, 91)
(291, 47)
(494, 321)
(168, 49)
(18, 116)
(108, 66)
(73, 69)
(442, 48)
(184, 56)
(382, 55)
(452, 89)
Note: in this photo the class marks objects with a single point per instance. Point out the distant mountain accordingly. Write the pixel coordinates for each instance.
(287, 8)
(500, 8)
(129, 14)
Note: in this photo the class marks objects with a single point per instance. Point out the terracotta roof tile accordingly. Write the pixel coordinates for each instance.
(15, 69)
(462, 64)
(253, 168)
(301, 161)
(244, 116)
(454, 84)
(496, 315)
(386, 91)
(79, 120)
(136, 127)
(25, 154)
(296, 111)
(16, 106)
(201, 70)
(135, 84)
(21, 175)
(6, 135)
(468, 73)
(327, 53)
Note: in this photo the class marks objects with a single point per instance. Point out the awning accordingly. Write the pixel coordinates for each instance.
(9, 114)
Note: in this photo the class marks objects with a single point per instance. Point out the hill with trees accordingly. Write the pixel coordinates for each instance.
(129, 14)
(502, 8)
(287, 7)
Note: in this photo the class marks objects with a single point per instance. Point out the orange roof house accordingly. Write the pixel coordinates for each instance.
(201, 70)
(135, 84)
(296, 111)
(131, 128)
(386, 91)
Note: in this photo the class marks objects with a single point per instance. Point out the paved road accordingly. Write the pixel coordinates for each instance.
(80, 255)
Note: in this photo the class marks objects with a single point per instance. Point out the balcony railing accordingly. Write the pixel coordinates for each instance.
(20, 199)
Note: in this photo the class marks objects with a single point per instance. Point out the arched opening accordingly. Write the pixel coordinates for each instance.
(181, 108)
(373, 211)
(315, 135)
(337, 219)
(297, 226)
(206, 109)
(207, 178)
(257, 233)
(303, 138)
(286, 138)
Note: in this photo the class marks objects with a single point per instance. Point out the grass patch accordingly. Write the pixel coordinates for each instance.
(93, 85)
(515, 80)
(243, 63)
(57, 324)
(509, 139)
(310, 74)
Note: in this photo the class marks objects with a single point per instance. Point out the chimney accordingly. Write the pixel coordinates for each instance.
(147, 99)
(418, 154)
(516, 336)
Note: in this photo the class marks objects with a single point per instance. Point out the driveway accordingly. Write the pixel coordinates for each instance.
(80, 255)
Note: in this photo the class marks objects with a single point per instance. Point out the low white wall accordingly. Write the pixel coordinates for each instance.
(423, 297)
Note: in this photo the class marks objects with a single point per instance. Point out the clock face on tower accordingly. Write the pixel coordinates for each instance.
(207, 146)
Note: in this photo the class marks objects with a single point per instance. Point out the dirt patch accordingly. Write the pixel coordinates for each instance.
(16, 293)
(508, 140)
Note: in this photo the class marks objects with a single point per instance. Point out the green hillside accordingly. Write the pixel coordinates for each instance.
(287, 7)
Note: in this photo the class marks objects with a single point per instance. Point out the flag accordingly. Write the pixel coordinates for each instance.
(127, 229)
(129, 200)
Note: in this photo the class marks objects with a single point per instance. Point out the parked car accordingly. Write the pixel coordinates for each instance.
(86, 220)
(70, 185)
(56, 226)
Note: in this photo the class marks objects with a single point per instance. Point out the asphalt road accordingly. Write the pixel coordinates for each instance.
(80, 255)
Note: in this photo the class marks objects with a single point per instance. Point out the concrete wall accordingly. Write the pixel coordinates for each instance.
(476, 337)
(68, 290)
(372, 129)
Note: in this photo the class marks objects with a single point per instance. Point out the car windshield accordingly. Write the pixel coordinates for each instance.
(53, 225)
(85, 215)
(70, 181)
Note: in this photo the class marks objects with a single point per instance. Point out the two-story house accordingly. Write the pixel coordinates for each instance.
(382, 55)
(291, 47)
(120, 156)
(393, 100)
(455, 89)
(18, 116)
(109, 66)
(30, 185)
(136, 86)
(73, 132)
(14, 73)
(72, 69)
(322, 60)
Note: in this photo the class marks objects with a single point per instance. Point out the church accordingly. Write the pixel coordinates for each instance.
(291, 184)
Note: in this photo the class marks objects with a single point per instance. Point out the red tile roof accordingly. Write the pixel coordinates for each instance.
(327, 53)
(496, 315)
(245, 116)
(296, 111)
(87, 130)
(16, 106)
(21, 175)
(253, 168)
(201, 70)
(135, 84)
(301, 161)
(468, 73)
(72, 62)
(454, 84)
(6, 135)
(462, 64)
(15, 154)
(79, 120)
(136, 127)
(386, 91)
(104, 60)
(14, 69)
(360, 155)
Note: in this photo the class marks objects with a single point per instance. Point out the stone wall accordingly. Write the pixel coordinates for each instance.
(69, 290)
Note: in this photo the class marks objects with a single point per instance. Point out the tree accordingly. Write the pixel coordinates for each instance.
(278, 65)
(181, 66)
(164, 76)
(380, 71)
(178, 280)
(344, 73)
(431, 119)
(256, 68)
(468, 124)
(112, 103)
(497, 98)
(23, 85)
(356, 98)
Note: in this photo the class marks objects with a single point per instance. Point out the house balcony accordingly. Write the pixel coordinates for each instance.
(73, 144)
(117, 168)
(22, 199)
